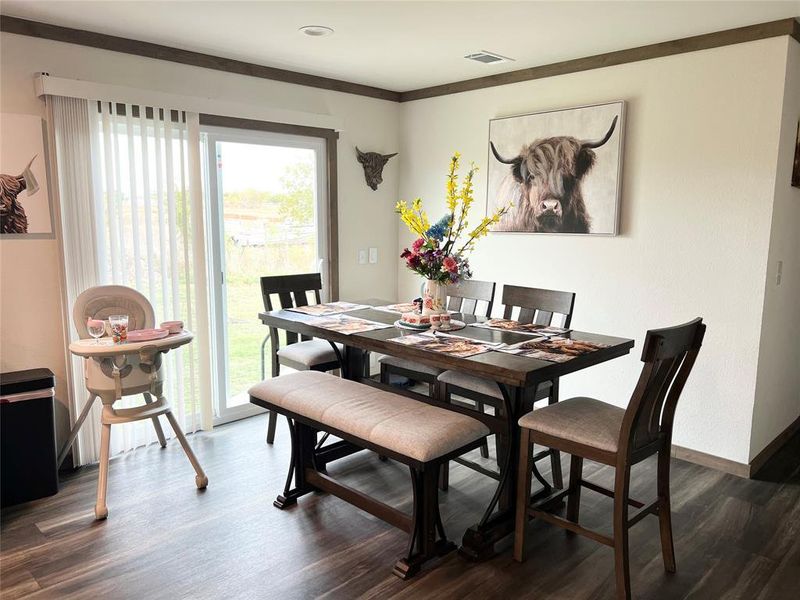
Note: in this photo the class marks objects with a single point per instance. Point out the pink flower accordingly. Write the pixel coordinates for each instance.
(450, 264)
(417, 244)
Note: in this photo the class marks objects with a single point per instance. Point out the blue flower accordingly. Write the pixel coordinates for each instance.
(438, 230)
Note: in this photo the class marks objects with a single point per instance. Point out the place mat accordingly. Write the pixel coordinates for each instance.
(553, 349)
(402, 307)
(444, 344)
(327, 309)
(517, 327)
(349, 325)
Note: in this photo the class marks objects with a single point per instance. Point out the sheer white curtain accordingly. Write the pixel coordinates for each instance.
(132, 214)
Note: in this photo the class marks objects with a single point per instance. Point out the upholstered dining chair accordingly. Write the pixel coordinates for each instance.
(462, 297)
(591, 429)
(298, 354)
(533, 305)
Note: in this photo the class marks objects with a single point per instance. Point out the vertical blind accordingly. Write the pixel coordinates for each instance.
(143, 219)
(131, 217)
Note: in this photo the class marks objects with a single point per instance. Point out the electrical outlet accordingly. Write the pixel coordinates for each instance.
(779, 276)
(373, 256)
(362, 257)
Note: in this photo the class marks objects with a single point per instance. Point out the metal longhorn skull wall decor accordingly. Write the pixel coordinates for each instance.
(373, 163)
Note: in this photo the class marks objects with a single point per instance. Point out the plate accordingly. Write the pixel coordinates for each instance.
(403, 325)
(454, 326)
(146, 335)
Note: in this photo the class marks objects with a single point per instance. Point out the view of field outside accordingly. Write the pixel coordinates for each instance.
(269, 228)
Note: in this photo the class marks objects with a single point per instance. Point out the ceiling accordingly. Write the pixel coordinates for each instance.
(401, 45)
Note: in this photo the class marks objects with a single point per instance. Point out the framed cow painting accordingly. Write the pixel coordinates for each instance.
(25, 210)
(560, 169)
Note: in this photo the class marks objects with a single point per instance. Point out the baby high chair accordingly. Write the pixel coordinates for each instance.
(112, 371)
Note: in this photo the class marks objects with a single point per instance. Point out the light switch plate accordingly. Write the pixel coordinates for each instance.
(362, 257)
(373, 256)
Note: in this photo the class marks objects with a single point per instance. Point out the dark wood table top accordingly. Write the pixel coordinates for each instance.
(502, 367)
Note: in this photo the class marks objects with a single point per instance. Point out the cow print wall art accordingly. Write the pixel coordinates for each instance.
(561, 169)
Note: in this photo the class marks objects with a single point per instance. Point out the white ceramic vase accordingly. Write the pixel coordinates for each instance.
(434, 297)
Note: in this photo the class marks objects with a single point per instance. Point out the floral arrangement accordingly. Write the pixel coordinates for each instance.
(440, 252)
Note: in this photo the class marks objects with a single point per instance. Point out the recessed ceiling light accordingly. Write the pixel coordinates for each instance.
(316, 30)
(488, 58)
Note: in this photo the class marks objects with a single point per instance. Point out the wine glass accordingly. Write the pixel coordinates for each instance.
(96, 328)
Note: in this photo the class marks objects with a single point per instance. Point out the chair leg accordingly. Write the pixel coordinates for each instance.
(441, 393)
(200, 478)
(100, 508)
(385, 376)
(621, 555)
(273, 416)
(664, 511)
(273, 421)
(555, 469)
(484, 444)
(148, 399)
(87, 408)
(555, 455)
(444, 476)
(574, 496)
(523, 494)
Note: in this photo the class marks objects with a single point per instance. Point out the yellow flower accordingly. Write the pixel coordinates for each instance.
(452, 179)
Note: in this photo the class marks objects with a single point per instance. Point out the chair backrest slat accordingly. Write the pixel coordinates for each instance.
(291, 290)
(668, 355)
(464, 296)
(538, 305)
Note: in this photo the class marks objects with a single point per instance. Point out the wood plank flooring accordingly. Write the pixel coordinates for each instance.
(734, 538)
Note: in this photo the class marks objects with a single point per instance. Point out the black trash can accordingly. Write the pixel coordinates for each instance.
(28, 468)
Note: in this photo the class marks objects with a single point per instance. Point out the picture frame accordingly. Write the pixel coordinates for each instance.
(570, 181)
(25, 199)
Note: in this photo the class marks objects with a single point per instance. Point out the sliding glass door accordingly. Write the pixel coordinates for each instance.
(267, 205)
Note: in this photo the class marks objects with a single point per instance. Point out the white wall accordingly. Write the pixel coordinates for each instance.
(777, 402)
(30, 313)
(698, 188)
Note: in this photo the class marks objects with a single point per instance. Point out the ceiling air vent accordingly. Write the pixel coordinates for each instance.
(488, 58)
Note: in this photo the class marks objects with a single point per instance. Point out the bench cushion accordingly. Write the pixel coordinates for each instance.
(402, 425)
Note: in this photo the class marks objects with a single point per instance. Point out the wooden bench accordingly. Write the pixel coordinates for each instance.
(409, 431)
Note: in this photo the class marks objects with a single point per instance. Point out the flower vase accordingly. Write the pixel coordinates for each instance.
(434, 297)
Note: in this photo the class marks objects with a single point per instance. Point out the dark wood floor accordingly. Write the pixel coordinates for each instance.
(734, 538)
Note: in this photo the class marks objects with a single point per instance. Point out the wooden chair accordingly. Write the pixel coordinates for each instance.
(462, 297)
(588, 428)
(300, 355)
(545, 307)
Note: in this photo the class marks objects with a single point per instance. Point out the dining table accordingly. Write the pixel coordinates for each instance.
(514, 375)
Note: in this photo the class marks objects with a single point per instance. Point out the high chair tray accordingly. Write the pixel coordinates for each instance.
(106, 347)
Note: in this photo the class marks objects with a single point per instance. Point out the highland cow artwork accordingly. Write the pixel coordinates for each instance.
(560, 170)
(24, 197)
